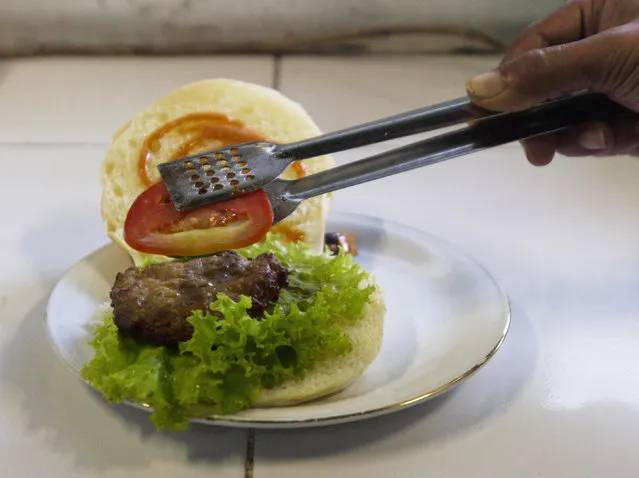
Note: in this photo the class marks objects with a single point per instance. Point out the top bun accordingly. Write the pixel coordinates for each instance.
(253, 109)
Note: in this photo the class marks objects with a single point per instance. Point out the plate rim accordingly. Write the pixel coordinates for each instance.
(248, 422)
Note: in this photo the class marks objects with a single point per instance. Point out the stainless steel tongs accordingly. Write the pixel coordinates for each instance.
(220, 174)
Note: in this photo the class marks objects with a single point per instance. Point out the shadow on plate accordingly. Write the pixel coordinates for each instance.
(378, 236)
(74, 420)
(472, 403)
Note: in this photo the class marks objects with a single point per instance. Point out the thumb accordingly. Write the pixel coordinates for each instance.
(604, 63)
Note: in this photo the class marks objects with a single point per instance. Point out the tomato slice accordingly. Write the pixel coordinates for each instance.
(154, 226)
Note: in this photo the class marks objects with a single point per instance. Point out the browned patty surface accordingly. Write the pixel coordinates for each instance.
(152, 303)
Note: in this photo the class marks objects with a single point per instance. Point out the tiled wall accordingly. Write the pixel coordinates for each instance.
(187, 26)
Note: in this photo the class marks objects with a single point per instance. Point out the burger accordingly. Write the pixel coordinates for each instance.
(221, 310)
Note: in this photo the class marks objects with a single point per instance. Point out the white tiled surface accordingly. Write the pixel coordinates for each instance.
(560, 399)
(51, 424)
(341, 92)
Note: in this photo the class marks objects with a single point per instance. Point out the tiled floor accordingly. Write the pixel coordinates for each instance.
(562, 241)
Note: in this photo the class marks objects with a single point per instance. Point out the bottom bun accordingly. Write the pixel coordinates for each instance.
(327, 376)
(334, 375)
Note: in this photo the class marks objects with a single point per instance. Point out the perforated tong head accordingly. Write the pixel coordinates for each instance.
(231, 171)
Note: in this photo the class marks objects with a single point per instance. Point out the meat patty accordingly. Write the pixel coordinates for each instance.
(152, 303)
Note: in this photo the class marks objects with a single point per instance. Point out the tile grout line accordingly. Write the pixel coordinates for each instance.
(249, 462)
(251, 438)
(277, 72)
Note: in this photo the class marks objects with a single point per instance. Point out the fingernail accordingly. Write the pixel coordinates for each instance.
(593, 139)
(486, 85)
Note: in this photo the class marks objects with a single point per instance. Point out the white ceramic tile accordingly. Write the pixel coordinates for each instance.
(559, 398)
(341, 92)
(86, 100)
(53, 425)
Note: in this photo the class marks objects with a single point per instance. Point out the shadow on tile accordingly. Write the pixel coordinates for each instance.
(70, 235)
(74, 420)
(49, 391)
(480, 398)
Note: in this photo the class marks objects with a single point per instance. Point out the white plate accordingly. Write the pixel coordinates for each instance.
(446, 318)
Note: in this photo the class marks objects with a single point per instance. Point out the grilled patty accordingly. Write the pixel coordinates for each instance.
(152, 303)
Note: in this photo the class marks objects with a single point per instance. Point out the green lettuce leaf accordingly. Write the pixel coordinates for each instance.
(226, 363)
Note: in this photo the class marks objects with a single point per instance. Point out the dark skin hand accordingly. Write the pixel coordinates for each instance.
(584, 45)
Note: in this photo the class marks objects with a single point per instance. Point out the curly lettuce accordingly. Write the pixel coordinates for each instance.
(226, 363)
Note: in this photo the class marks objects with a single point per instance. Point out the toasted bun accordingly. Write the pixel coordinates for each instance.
(331, 376)
(260, 109)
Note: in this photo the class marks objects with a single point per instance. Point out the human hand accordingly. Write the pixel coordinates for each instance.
(584, 45)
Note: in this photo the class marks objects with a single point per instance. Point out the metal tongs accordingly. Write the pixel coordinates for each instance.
(231, 171)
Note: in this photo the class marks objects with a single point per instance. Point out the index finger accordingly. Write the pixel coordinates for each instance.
(571, 22)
